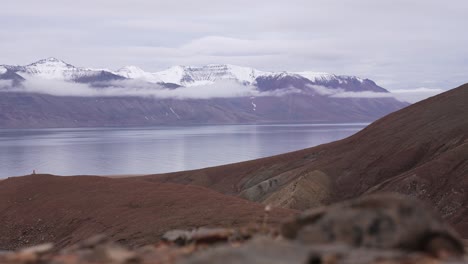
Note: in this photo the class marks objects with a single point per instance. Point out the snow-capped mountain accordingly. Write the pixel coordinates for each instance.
(134, 72)
(209, 74)
(173, 77)
(111, 98)
(193, 75)
(55, 69)
(52, 68)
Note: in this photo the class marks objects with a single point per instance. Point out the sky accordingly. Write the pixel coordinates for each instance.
(410, 47)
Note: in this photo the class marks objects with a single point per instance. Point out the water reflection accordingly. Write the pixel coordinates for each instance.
(154, 150)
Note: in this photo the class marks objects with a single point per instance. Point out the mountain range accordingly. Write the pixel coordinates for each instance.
(53, 93)
(52, 68)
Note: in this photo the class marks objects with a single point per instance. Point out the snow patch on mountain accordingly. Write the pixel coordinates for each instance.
(254, 106)
(174, 74)
(3, 70)
(315, 76)
(211, 73)
(134, 72)
(327, 77)
(194, 75)
(172, 110)
(208, 74)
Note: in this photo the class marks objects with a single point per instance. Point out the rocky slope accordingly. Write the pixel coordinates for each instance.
(53, 93)
(421, 150)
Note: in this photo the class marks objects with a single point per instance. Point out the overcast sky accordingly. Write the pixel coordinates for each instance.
(401, 44)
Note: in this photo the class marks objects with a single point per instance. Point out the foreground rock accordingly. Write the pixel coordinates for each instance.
(267, 251)
(375, 229)
(386, 221)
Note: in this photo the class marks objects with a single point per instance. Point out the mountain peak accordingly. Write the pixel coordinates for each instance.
(135, 72)
(51, 68)
(51, 61)
(130, 68)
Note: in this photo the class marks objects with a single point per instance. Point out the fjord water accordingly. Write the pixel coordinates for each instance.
(117, 151)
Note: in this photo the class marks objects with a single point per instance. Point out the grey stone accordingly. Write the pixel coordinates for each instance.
(385, 221)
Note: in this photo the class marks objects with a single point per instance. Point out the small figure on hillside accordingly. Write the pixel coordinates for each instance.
(34, 172)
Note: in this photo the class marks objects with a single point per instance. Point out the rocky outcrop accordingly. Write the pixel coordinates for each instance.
(287, 190)
(309, 190)
(386, 221)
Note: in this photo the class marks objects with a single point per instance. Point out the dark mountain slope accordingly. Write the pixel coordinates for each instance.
(29, 110)
(13, 77)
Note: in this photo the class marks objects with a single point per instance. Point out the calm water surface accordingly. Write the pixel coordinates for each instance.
(155, 149)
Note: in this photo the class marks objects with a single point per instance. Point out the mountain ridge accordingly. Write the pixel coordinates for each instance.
(53, 68)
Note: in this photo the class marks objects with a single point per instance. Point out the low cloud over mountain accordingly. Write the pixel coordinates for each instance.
(55, 77)
(53, 93)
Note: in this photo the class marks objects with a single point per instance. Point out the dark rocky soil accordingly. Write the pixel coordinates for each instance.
(375, 229)
(65, 210)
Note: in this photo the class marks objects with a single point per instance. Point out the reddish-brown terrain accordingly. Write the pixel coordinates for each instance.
(421, 150)
(64, 210)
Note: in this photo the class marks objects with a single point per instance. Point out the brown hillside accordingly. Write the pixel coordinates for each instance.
(64, 210)
(421, 150)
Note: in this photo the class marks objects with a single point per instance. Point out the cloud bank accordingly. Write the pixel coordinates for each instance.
(129, 87)
(340, 93)
(415, 95)
(225, 89)
(220, 89)
(5, 84)
(405, 95)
